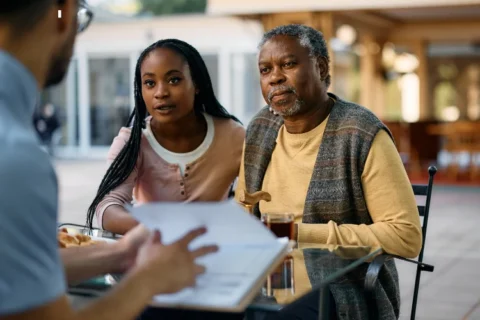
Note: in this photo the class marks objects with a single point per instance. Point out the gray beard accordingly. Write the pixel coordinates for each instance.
(293, 110)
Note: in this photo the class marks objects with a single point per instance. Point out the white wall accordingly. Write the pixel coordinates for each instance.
(203, 32)
(228, 44)
(236, 7)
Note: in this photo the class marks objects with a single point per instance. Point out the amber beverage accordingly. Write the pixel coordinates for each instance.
(281, 278)
(281, 224)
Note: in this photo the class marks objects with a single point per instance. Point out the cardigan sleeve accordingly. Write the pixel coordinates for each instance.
(391, 204)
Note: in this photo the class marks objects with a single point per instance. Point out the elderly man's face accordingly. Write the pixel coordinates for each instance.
(290, 78)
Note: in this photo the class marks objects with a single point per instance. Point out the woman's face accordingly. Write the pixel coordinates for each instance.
(167, 86)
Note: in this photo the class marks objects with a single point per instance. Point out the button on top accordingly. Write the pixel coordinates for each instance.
(187, 168)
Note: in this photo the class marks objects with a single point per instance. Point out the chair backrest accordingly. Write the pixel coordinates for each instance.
(423, 210)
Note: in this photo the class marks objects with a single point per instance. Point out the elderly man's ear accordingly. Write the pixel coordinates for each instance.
(322, 65)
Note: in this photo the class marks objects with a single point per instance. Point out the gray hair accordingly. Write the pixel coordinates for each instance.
(308, 37)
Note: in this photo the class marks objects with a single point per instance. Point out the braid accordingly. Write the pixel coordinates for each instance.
(205, 101)
(124, 163)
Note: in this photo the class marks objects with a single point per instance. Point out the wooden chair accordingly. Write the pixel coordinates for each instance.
(376, 265)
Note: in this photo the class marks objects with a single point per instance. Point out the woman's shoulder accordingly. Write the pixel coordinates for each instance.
(124, 133)
(120, 141)
(229, 128)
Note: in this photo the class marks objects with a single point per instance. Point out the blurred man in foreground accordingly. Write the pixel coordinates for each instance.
(36, 45)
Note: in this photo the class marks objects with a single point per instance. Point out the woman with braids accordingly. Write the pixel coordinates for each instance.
(188, 148)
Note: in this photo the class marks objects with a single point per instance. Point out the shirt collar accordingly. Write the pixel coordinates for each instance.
(19, 88)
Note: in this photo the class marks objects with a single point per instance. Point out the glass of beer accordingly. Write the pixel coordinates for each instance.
(281, 224)
(280, 278)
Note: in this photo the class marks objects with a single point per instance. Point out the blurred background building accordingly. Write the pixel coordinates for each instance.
(416, 64)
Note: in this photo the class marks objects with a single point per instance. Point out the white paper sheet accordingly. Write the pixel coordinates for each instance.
(226, 221)
(247, 249)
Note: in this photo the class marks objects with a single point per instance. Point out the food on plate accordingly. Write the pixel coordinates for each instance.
(67, 240)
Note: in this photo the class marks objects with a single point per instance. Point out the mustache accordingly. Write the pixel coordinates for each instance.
(279, 88)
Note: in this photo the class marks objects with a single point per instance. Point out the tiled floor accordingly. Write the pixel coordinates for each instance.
(452, 292)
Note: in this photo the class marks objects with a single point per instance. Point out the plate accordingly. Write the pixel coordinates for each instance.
(103, 239)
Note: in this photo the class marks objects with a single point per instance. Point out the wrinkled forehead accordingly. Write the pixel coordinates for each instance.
(282, 45)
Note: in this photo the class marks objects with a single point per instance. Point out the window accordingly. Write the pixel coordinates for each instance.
(109, 98)
(66, 111)
(246, 92)
(211, 60)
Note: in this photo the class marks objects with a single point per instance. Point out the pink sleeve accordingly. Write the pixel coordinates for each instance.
(123, 193)
(239, 141)
(118, 143)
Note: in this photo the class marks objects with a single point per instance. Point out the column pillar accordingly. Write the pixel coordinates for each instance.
(372, 84)
(324, 22)
(225, 79)
(84, 103)
(419, 49)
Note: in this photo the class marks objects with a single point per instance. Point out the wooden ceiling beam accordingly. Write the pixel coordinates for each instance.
(367, 22)
(437, 31)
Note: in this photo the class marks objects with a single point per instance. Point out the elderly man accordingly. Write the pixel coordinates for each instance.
(331, 162)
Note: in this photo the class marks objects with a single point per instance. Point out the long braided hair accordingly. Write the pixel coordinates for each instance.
(205, 101)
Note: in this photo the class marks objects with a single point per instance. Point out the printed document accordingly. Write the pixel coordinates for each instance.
(248, 251)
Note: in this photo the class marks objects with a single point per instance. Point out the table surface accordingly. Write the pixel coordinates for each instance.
(308, 267)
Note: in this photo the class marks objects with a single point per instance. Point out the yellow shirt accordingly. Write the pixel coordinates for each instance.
(387, 191)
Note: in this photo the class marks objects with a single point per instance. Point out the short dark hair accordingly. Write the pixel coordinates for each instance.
(308, 37)
(24, 14)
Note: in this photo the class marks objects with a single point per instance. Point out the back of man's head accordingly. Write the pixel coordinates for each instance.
(39, 37)
(22, 15)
